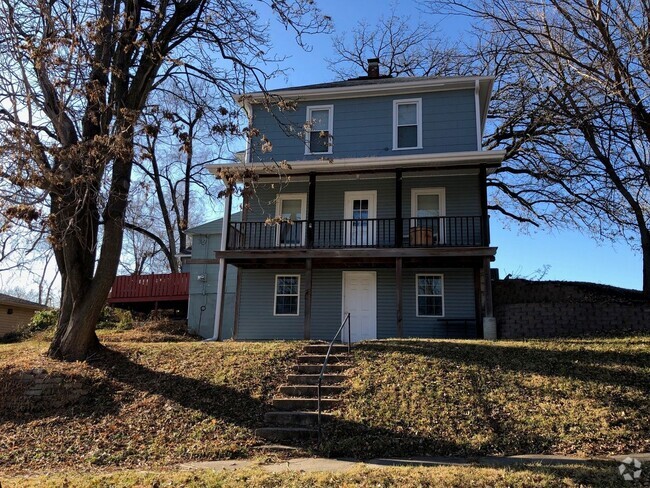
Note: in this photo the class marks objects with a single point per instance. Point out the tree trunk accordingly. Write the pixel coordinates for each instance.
(645, 253)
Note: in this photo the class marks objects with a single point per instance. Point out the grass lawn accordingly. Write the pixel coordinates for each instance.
(148, 404)
(151, 405)
(602, 476)
(572, 396)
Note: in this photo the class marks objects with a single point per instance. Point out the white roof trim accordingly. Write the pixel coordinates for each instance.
(371, 90)
(412, 160)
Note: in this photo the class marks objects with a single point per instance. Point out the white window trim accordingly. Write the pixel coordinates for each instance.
(415, 192)
(303, 212)
(330, 128)
(275, 296)
(418, 105)
(417, 295)
(348, 198)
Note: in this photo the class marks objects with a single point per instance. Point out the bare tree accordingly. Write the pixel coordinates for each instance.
(403, 47)
(577, 129)
(570, 108)
(183, 132)
(75, 78)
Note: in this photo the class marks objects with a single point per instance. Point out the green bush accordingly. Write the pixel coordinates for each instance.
(42, 320)
(115, 318)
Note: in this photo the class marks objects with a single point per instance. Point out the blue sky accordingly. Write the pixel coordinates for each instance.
(570, 255)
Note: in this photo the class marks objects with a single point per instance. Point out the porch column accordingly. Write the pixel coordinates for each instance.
(221, 280)
(477, 300)
(398, 208)
(398, 296)
(485, 224)
(246, 197)
(489, 322)
(311, 209)
(308, 295)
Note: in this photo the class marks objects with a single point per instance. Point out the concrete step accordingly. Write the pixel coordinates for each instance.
(315, 368)
(320, 359)
(303, 404)
(312, 379)
(295, 419)
(286, 433)
(322, 348)
(310, 391)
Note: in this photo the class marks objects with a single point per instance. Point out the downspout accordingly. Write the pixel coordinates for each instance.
(221, 282)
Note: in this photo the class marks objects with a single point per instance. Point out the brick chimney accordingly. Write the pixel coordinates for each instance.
(373, 68)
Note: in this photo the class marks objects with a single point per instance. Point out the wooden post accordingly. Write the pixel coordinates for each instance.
(489, 312)
(221, 295)
(244, 218)
(398, 208)
(485, 224)
(311, 209)
(398, 296)
(477, 301)
(308, 296)
(235, 328)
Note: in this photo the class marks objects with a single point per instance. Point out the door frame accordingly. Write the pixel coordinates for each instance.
(374, 302)
(348, 198)
(303, 219)
(442, 211)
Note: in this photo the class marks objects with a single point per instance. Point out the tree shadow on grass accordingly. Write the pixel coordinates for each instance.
(344, 438)
(105, 396)
(578, 364)
(210, 399)
(26, 402)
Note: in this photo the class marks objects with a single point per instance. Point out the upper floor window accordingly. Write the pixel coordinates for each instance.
(319, 129)
(407, 124)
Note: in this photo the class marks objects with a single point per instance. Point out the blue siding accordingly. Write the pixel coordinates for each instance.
(257, 320)
(204, 293)
(326, 307)
(461, 192)
(363, 127)
(459, 303)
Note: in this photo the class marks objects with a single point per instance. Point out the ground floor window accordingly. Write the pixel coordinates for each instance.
(287, 293)
(430, 295)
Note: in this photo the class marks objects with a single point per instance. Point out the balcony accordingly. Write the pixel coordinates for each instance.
(420, 232)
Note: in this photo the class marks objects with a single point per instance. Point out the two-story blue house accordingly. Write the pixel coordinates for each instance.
(371, 200)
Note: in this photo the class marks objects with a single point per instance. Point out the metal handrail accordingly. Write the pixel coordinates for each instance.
(322, 371)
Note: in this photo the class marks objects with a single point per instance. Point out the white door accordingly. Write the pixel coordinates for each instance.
(360, 213)
(360, 301)
(291, 208)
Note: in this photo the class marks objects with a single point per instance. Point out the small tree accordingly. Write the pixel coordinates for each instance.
(75, 78)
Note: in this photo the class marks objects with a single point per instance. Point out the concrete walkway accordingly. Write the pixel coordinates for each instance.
(342, 465)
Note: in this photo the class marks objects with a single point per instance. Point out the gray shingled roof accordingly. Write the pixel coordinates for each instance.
(19, 302)
(364, 81)
(212, 227)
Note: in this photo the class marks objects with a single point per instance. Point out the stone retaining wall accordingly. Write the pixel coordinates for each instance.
(36, 389)
(526, 309)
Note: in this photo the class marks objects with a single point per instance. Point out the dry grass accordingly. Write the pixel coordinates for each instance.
(153, 404)
(148, 404)
(602, 476)
(409, 397)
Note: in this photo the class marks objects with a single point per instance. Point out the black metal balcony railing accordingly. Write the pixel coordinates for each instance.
(420, 232)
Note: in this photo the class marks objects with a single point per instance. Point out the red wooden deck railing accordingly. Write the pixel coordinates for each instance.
(150, 288)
